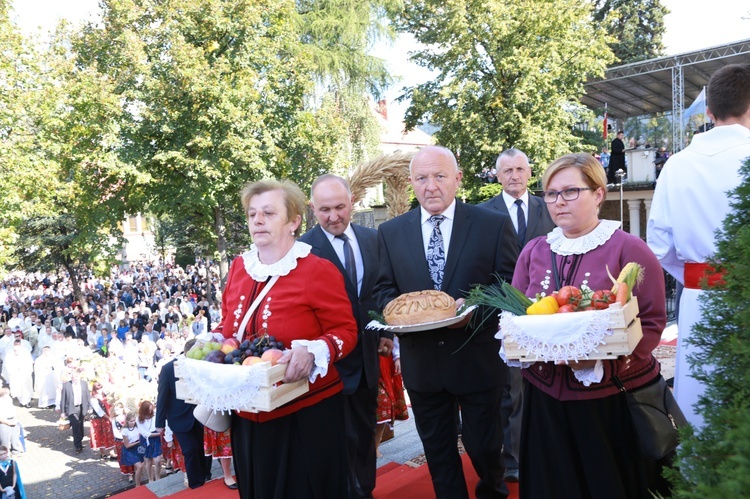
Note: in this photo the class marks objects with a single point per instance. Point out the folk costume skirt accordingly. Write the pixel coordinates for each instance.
(582, 448)
(299, 456)
(101, 434)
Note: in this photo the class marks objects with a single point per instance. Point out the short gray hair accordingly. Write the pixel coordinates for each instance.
(510, 153)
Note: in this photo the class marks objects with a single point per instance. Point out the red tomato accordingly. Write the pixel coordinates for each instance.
(567, 308)
(602, 299)
(568, 294)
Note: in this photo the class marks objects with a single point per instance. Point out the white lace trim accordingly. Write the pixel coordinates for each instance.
(590, 375)
(230, 386)
(568, 337)
(261, 272)
(319, 348)
(580, 245)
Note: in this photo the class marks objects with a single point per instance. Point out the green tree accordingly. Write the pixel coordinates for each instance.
(637, 27)
(218, 93)
(509, 74)
(54, 242)
(715, 462)
(60, 149)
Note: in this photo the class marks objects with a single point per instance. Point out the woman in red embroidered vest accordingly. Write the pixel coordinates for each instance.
(578, 439)
(298, 449)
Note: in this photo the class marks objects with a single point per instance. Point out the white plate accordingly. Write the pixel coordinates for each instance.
(425, 326)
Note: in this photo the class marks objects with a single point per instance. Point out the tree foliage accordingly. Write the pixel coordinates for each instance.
(510, 74)
(637, 27)
(53, 242)
(59, 144)
(715, 462)
(215, 94)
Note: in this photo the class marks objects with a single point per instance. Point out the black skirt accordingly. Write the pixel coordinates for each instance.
(582, 449)
(299, 456)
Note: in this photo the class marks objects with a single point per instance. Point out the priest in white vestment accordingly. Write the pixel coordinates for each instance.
(691, 202)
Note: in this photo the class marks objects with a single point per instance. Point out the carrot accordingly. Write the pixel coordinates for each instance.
(622, 294)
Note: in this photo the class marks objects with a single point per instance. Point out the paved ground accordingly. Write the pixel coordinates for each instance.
(51, 469)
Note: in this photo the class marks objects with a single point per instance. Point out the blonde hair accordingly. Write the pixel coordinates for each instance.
(591, 171)
(294, 198)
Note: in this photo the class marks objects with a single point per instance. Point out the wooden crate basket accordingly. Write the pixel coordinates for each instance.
(271, 394)
(626, 333)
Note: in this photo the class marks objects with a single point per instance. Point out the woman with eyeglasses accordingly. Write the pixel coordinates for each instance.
(577, 437)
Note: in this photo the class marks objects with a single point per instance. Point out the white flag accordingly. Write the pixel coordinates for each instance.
(698, 106)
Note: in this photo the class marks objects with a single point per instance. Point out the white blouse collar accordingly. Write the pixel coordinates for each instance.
(580, 245)
(261, 272)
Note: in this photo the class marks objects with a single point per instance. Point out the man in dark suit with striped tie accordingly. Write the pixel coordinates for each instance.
(450, 246)
(353, 249)
(531, 219)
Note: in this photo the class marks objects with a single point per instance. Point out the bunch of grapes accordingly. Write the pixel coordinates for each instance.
(258, 346)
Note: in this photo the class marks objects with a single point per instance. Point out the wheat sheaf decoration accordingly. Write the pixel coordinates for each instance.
(393, 169)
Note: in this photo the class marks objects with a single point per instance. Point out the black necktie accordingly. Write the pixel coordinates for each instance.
(349, 263)
(436, 252)
(521, 223)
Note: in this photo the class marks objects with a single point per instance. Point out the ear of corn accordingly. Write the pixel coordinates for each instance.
(631, 274)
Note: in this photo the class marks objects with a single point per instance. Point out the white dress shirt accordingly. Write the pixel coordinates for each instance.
(510, 203)
(446, 227)
(338, 247)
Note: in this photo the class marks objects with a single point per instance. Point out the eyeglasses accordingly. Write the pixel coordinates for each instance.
(570, 194)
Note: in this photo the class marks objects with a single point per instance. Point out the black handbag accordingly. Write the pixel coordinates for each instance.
(656, 417)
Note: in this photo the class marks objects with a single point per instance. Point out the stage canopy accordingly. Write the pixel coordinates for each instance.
(665, 84)
(646, 87)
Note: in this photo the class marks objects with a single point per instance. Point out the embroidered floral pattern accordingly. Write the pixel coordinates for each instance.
(238, 312)
(339, 345)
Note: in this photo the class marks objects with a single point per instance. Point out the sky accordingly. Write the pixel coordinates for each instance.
(691, 25)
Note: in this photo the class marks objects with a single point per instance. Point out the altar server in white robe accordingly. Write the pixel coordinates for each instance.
(47, 370)
(20, 366)
(691, 202)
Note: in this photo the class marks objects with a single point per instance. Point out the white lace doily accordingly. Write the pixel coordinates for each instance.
(219, 387)
(261, 272)
(580, 245)
(568, 337)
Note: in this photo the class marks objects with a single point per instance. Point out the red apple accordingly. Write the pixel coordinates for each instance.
(272, 355)
(229, 345)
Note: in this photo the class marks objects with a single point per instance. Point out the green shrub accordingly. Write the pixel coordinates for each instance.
(715, 462)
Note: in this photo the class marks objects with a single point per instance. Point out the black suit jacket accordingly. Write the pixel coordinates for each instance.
(483, 243)
(364, 358)
(67, 405)
(168, 407)
(540, 222)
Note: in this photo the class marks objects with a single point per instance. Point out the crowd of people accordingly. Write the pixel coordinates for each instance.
(99, 360)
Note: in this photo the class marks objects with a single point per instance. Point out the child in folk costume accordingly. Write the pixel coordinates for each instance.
(219, 446)
(150, 439)
(102, 436)
(174, 461)
(391, 400)
(11, 486)
(118, 423)
(132, 450)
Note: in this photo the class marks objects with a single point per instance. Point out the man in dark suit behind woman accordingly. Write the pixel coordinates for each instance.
(531, 219)
(331, 200)
(447, 368)
(74, 405)
(184, 426)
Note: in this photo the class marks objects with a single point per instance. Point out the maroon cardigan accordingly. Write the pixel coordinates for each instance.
(534, 270)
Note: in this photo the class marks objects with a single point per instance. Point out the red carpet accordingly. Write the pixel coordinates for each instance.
(414, 483)
(394, 482)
